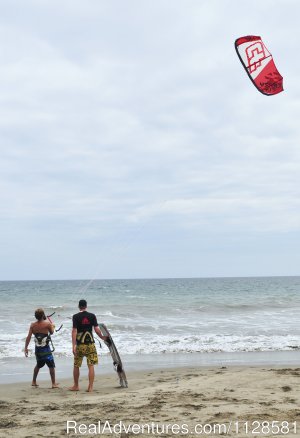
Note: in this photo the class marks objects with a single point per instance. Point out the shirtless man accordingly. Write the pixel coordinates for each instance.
(41, 329)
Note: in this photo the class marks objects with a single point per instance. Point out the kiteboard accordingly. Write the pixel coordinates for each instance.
(115, 356)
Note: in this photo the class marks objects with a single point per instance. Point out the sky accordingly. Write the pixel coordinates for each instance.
(133, 144)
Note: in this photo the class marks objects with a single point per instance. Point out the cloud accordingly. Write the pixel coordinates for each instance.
(115, 116)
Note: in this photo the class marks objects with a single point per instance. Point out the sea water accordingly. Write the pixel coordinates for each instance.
(149, 319)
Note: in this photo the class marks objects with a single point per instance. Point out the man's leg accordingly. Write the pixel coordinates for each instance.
(35, 374)
(76, 374)
(91, 378)
(52, 375)
(76, 370)
(92, 359)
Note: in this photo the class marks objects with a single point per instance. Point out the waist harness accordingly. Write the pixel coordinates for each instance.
(85, 338)
(41, 340)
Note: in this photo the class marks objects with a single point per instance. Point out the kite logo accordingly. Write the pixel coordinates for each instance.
(255, 54)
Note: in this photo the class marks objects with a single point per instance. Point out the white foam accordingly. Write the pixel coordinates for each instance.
(150, 343)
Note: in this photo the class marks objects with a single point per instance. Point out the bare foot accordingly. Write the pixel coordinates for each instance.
(90, 389)
(35, 385)
(55, 385)
(74, 388)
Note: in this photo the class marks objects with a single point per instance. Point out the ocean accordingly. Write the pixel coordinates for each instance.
(149, 319)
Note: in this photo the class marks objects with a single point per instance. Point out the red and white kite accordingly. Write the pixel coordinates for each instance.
(258, 63)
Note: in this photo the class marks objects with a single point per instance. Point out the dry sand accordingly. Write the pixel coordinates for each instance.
(177, 396)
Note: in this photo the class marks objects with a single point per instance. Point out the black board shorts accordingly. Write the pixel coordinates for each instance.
(44, 357)
(49, 362)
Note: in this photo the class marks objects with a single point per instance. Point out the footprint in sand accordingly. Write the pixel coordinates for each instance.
(286, 388)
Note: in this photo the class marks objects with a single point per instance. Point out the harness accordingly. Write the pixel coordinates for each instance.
(41, 340)
(85, 338)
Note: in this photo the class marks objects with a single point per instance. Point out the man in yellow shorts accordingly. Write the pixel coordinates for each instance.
(84, 344)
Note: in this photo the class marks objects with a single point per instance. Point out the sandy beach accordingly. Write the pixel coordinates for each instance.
(219, 400)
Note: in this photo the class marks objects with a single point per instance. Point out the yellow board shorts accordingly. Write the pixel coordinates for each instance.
(85, 350)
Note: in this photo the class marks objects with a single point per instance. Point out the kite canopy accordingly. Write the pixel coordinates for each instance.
(258, 63)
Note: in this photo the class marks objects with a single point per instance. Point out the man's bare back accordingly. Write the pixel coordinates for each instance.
(43, 327)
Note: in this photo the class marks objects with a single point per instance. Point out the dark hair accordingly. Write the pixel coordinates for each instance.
(39, 314)
(82, 304)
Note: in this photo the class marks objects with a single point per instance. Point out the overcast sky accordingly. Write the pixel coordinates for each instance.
(133, 144)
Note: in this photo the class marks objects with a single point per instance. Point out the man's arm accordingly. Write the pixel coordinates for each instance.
(98, 331)
(51, 328)
(74, 335)
(28, 340)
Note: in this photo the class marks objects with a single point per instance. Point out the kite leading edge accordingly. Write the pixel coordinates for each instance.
(259, 65)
